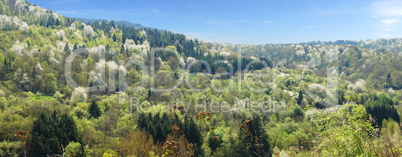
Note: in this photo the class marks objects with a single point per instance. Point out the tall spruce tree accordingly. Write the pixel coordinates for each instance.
(254, 138)
(300, 98)
(122, 49)
(388, 81)
(94, 110)
(193, 134)
(67, 50)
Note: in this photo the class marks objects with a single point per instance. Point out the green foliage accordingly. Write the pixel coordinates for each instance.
(345, 132)
(50, 84)
(214, 140)
(2, 9)
(109, 153)
(290, 134)
(74, 149)
(9, 148)
(10, 122)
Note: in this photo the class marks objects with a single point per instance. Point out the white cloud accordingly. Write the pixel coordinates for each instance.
(390, 21)
(389, 24)
(388, 8)
(388, 13)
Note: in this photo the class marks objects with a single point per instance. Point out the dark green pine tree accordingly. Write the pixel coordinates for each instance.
(50, 21)
(75, 47)
(94, 110)
(255, 138)
(176, 75)
(123, 40)
(122, 49)
(300, 98)
(112, 24)
(388, 81)
(341, 97)
(7, 67)
(214, 141)
(114, 38)
(193, 134)
(107, 48)
(67, 50)
(149, 94)
(38, 145)
(57, 22)
(142, 120)
(49, 134)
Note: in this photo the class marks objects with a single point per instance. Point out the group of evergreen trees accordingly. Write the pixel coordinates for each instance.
(51, 134)
(157, 126)
(160, 126)
(381, 112)
(251, 134)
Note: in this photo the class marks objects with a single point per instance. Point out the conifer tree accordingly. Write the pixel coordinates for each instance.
(254, 137)
(122, 49)
(388, 81)
(192, 132)
(149, 94)
(94, 110)
(300, 98)
(67, 50)
(75, 47)
(114, 38)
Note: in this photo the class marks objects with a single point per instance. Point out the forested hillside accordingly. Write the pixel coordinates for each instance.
(81, 87)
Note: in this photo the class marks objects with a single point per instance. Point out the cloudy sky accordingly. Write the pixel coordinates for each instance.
(249, 21)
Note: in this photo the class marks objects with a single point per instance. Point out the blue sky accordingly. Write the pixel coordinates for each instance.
(249, 21)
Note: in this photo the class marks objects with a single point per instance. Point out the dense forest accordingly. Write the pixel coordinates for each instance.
(92, 87)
